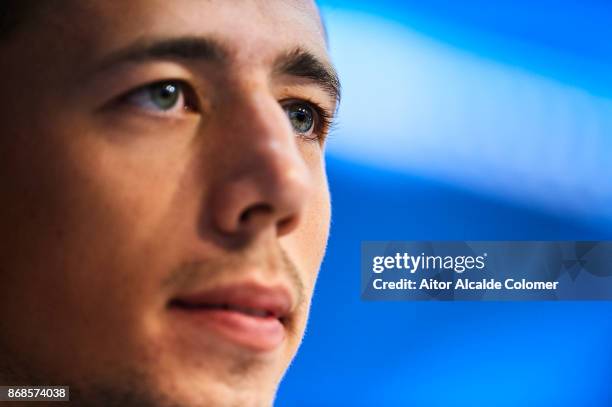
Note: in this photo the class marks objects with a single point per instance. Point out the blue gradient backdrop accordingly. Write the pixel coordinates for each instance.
(463, 120)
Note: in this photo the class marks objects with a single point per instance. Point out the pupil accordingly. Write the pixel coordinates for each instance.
(165, 96)
(301, 119)
(168, 91)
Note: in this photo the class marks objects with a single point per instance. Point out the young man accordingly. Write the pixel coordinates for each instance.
(165, 207)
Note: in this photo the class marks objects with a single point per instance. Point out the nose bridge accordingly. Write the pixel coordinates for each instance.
(262, 179)
(265, 143)
(264, 135)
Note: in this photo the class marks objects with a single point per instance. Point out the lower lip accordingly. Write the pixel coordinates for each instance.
(256, 333)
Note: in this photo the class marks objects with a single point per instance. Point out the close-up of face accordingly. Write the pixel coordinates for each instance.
(165, 208)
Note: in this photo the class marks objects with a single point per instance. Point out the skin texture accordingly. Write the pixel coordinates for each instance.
(110, 209)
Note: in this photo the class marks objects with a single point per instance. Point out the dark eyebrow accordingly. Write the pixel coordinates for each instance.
(303, 64)
(297, 62)
(190, 48)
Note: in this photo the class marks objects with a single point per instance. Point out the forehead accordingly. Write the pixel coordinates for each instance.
(251, 30)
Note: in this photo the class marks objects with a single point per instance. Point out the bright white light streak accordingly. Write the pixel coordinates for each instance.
(415, 105)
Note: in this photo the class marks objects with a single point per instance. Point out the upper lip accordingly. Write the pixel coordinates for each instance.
(272, 300)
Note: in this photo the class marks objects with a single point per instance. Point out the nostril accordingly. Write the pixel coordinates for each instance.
(287, 224)
(255, 211)
(262, 215)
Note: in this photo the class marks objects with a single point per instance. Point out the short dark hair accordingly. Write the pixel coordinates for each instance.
(12, 14)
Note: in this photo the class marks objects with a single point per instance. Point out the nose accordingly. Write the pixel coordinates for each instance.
(261, 180)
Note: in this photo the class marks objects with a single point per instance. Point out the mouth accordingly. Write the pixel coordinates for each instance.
(249, 315)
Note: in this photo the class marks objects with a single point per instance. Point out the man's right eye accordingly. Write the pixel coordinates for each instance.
(166, 98)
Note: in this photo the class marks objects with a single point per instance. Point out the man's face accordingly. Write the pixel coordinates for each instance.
(165, 207)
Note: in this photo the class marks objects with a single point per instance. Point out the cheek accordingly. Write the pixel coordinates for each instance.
(308, 242)
(88, 247)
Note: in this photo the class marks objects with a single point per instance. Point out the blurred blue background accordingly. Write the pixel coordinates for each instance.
(471, 120)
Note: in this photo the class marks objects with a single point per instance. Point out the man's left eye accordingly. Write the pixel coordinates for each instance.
(165, 97)
(302, 118)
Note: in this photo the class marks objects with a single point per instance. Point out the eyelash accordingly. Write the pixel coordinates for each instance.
(323, 119)
(324, 122)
